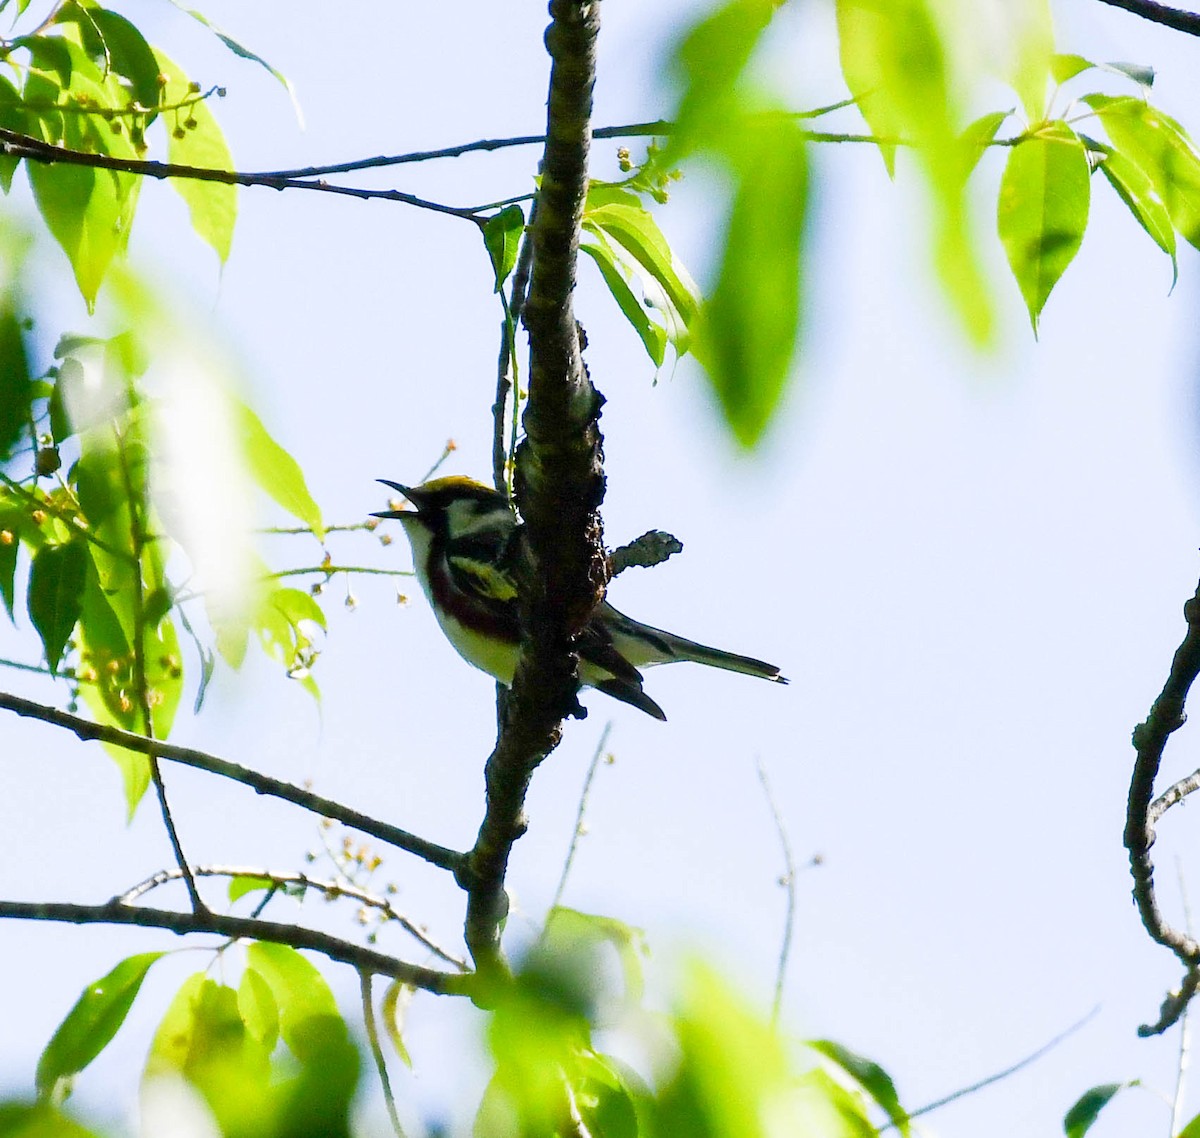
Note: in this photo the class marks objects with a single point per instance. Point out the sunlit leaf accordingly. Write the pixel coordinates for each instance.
(13, 116)
(10, 545)
(38, 1120)
(243, 883)
(1033, 55)
(195, 139)
(1135, 188)
(750, 323)
(259, 1012)
(276, 471)
(502, 236)
(1064, 67)
(1161, 147)
(309, 1020)
(89, 211)
(55, 595)
(396, 1001)
(1079, 1119)
(1043, 210)
(652, 335)
(91, 1024)
(115, 43)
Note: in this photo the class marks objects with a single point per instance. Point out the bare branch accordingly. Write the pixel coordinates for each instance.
(789, 883)
(364, 959)
(1150, 739)
(652, 548)
(1173, 18)
(17, 145)
(559, 484)
(578, 831)
(85, 729)
(330, 889)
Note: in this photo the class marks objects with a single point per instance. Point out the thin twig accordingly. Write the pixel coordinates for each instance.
(1045, 1049)
(346, 952)
(1176, 792)
(137, 539)
(331, 889)
(85, 729)
(578, 831)
(1173, 18)
(17, 145)
(789, 882)
(652, 548)
(385, 1083)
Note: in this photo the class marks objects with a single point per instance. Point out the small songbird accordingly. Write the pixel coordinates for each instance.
(466, 539)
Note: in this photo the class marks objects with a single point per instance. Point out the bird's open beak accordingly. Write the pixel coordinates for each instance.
(408, 492)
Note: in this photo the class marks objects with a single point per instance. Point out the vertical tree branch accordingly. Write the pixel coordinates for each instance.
(559, 483)
(1150, 739)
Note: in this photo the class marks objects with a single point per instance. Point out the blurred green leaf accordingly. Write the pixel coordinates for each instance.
(750, 323)
(195, 139)
(38, 1120)
(573, 938)
(1033, 54)
(1142, 75)
(309, 1019)
(502, 234)
(1191, 1130)
(1135, 188)
(16, 387)
(276, 471)
(1079, 1119)
(11, 517)
(977, 137)
(1161, 147)
(871, 1077)
(1043, 210)
(652, 335)
(257, 1006)
(91, 1024)
(55, 595)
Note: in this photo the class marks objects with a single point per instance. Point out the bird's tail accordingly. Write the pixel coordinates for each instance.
(644, 646)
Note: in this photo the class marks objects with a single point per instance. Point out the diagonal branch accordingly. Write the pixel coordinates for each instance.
(85, 729)
(559, 484)
(1173, 18)
(346, 952)
(1149, 740)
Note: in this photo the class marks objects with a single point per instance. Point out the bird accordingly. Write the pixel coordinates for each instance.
(466, 543)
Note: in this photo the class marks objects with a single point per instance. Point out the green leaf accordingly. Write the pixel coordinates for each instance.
(710, 62)
(10, 546)
(244, 52)
(1161, 147)
(750, 324)
(977, 138)
(1043, 210)
(55, 595)
(1140, 73)
(117, 44)
(309, 1020)
(633, 228)
(502, 234)
(396, 1001)
(1135, 188)
(1079, 1119)
(16, 387)
(50, 54)
(212, 206)
(243, 883)
(93, 1021)
(652, 335)
(276, 471)
(871, 1077)
(258, 1009)
(1064, 67)
(1033, 54)
(88, 211)
(38, 1120)
(894, 64)
(12, 117)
